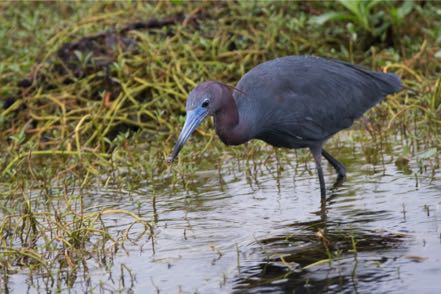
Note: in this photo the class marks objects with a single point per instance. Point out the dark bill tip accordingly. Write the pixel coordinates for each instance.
(193, 120)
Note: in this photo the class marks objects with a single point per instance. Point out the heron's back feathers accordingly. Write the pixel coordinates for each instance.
(308, 98)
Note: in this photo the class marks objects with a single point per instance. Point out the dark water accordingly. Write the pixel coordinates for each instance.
(258, 227)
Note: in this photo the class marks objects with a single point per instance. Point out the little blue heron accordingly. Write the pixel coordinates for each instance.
(291, 102)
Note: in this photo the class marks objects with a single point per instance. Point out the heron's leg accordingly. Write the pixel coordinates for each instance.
(339, 167)
(316, 153)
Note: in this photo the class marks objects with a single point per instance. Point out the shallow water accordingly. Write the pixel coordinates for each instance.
(254, 226)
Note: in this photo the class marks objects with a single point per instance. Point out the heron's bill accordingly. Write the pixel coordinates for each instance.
(193, 120)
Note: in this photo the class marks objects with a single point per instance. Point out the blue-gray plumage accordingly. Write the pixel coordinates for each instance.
(291, 102)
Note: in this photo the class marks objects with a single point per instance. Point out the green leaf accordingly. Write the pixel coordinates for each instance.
(372, 3)
(406, 150)
(427, 154)
(360, 10)
(351, 5)
(329, 16)
(404, 9)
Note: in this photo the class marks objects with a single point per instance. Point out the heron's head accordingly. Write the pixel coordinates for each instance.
(204, 100)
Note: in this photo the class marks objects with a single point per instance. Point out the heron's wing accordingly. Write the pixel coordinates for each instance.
(304, 129)
(309, 97)
(326, 96)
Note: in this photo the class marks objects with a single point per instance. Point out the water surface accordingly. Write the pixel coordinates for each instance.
(259, 227)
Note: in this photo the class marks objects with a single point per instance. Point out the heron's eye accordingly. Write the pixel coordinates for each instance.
(205, 103)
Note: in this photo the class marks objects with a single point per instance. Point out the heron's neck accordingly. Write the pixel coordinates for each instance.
(229, 127)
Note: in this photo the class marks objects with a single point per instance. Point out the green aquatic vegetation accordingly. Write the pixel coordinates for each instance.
(108, 84)
(106, 110)
(363, 17)
(53, 233)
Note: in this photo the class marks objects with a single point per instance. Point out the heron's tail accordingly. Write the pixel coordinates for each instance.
(393, 82)
(396, 85)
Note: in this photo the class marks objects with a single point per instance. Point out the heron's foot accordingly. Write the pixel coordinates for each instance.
(341, 172)
(338, 166)
(339, 181)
